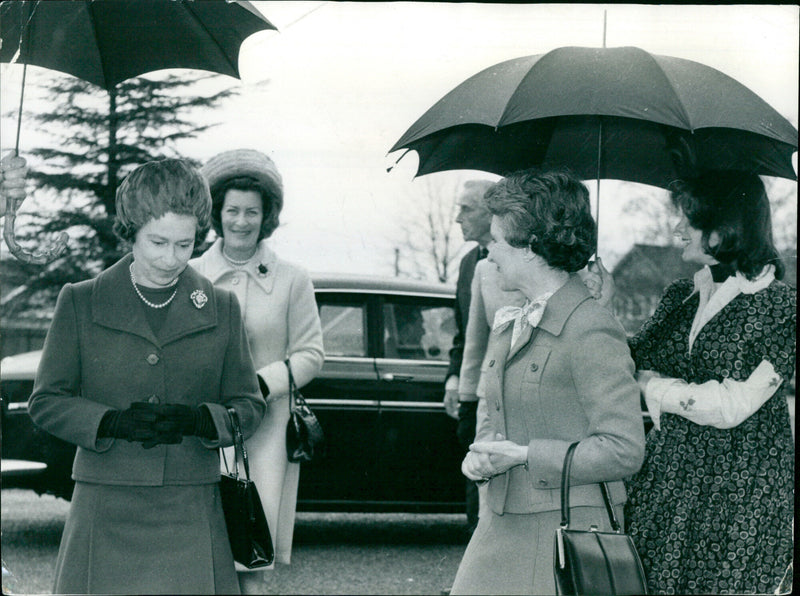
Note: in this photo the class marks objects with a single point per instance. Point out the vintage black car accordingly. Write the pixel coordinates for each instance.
(390, 446)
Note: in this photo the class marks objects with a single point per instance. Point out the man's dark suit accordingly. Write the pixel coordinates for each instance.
(466, 410)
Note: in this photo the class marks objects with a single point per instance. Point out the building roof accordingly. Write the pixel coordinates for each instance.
(649, 269)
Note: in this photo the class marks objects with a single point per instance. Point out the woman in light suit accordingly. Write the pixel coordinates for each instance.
(557, 370)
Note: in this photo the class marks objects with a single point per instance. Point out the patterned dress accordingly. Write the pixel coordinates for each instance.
(711, 510)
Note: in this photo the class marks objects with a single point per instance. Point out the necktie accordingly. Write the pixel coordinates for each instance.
(483, 252)
(529, 314)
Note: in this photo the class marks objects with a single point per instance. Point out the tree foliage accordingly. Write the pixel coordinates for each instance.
(430, 239)
(98, 137)
(656, 217)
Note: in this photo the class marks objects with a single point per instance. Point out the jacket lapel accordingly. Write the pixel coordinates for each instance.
(522, 341)
(559, 307)
(215, 265)
(115, 305)
(194, 308)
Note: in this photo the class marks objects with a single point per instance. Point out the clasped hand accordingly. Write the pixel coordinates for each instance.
(156, 424)
(489, 458)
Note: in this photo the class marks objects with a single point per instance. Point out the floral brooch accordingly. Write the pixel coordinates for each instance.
(199, 298)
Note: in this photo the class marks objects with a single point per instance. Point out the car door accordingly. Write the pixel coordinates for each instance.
(344, 398)
(419, 457)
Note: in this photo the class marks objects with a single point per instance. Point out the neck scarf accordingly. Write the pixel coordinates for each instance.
(528, 315)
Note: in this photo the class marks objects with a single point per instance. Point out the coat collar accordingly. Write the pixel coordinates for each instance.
(559, 307)
(215, 266)
(115, 305)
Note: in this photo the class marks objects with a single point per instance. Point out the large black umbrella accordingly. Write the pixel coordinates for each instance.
(618, 113)
(108, 41)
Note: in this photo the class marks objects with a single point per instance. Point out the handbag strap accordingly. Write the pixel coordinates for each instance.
(294, 393)
(565, 473)
(238, 444)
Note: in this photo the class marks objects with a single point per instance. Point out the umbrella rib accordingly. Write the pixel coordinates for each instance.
(684, 112)
(93, 23)
(187, 8)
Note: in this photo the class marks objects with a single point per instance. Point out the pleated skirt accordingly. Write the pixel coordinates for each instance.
(145, 540)
(513, 553)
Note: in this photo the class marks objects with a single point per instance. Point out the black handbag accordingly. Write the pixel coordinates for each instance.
(594, 562)
(304, 436)
(248, 531)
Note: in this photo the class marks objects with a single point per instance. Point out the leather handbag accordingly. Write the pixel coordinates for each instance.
(304, 436)
(248, 531)
(590, 561)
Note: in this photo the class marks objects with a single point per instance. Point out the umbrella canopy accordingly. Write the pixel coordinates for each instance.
(108, 41)
(618, 113)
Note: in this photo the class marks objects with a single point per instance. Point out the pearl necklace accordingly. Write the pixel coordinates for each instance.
(145, 300)
(237, 264)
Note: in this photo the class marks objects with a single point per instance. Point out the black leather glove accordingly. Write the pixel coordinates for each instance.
(137, 423)
(186, 421)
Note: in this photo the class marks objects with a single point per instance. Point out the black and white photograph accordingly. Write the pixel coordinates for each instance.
(304, 297)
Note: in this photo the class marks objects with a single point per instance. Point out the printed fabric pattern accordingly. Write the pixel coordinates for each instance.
(711, 509)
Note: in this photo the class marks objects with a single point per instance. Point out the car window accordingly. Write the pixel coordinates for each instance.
(416, 330)
(343, 329)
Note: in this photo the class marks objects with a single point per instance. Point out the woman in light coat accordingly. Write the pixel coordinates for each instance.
(557, 370)
(281, 318)
(138, 369)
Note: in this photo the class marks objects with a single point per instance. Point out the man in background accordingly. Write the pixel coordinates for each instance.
(475, 220)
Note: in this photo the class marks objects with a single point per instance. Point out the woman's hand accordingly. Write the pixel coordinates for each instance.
(13, 170)
(599, 282)
(502, 454)
(477, 467)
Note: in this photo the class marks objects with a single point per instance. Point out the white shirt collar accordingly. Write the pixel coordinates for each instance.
(715, 297)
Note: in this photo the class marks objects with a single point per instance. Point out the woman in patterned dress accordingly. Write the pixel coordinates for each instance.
(711, 510)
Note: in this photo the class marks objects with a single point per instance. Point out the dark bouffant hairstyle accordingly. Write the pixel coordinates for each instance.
(735, 206)
(548, 212)
(159, 187)
(271, 208)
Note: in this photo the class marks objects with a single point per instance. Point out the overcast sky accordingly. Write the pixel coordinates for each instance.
(329, 93)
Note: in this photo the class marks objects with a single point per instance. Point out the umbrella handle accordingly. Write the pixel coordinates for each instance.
(40, 256)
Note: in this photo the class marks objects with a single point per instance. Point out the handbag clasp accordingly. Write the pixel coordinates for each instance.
(560, 543)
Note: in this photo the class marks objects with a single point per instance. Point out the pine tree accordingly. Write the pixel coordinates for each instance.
(99, 137)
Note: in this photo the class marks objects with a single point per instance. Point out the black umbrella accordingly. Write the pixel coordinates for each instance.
(618, 113)
(108, 41)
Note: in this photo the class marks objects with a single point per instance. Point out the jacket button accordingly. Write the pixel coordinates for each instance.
(497, 404)
(153, 399)
(491, 362)
(152, 359)
(543, 483)
(534, 367)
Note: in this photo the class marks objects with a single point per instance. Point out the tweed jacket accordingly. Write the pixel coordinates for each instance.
(100, 354)
(466, 270)
(570, 379)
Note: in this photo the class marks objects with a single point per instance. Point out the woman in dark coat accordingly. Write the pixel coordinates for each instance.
(556, 371)
(138, 369)
(711, 510)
